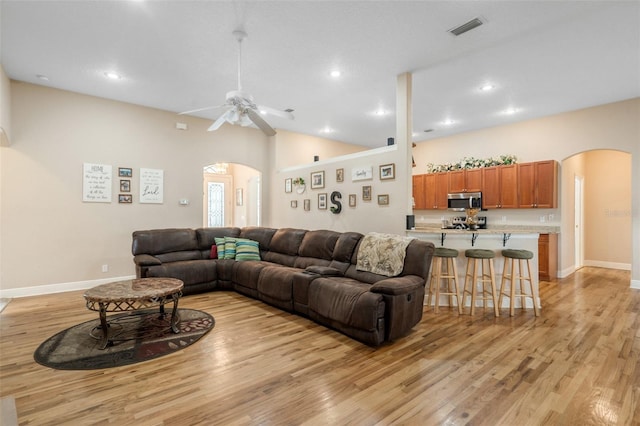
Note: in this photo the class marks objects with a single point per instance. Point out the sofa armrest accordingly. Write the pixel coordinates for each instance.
(398, 285)
(146, 260)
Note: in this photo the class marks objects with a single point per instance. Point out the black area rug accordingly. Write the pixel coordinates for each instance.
(139, 336)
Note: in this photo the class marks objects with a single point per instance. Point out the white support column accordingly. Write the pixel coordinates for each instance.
(404, 129)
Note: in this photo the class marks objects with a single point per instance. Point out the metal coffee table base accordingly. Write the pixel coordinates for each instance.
(106, 338)
(134, 295)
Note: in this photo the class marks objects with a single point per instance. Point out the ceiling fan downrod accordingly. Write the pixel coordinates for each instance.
(240, 35)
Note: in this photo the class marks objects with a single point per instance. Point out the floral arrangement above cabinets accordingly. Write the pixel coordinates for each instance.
(472, 163)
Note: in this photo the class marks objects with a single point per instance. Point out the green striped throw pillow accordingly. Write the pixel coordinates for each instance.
(220, 245)
(247, 249)
(229, 248)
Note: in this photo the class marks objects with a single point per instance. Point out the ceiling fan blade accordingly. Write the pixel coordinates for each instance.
(224, 117)
(258, 121)
(201, 109)
(276, 112)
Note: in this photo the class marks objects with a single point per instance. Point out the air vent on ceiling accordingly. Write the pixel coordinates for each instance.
(467, 26)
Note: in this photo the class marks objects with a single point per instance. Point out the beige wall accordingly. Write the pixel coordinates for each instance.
(5, 108)
(366, 216)
(294, 149)
(613, 126)
(607, 207)
(55, 132)
(607, 212)
(49, 235)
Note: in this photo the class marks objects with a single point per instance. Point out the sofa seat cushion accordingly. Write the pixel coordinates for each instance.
(346, 301)
(276, 285)
(189, 271)
(247, 273)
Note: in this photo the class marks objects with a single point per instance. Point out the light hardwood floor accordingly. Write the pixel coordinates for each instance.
(577, 364)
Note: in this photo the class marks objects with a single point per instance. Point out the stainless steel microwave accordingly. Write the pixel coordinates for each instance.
(460, 201)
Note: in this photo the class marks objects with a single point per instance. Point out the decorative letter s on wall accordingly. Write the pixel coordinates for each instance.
(335, 196)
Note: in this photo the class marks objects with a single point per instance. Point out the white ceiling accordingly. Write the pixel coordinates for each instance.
(544, 57)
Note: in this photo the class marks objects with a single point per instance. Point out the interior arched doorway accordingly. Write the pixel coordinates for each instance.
(596, 211)
(231, 195)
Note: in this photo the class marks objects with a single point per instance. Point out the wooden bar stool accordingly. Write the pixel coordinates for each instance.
(485, 258)
(516, 278)
(447, 271)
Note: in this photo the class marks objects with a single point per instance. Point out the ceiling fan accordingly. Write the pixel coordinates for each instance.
(240, 107)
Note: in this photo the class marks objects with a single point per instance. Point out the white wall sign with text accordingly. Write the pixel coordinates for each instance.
(151, 186)
(96, 183)
(361, 173)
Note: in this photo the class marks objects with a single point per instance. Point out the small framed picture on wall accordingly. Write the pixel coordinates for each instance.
(307, 204)
(317, 180)
(366, 193)
(125, 185)
(322, 201)
(352, 200)
(125, 172)
(125, 198)
(383, 199)
(388, 171)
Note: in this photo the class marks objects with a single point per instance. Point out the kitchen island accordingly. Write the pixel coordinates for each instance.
(495, 238)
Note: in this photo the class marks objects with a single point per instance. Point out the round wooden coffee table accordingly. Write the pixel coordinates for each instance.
(133, 295)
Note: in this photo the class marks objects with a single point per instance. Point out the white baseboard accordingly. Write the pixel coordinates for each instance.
(566, 271)
(57, 288)
(635, 284)
(608, 265)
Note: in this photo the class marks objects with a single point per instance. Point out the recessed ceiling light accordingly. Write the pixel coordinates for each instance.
(42, 77)
(112, 75)
(487, 87)
(335, 73)
(326, 129)
(448, 122)
(380, 112)
(511, 111)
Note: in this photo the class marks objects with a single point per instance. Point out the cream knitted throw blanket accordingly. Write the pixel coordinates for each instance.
(382, 254)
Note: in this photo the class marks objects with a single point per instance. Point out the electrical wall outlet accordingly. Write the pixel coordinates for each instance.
(504, 219)
(543, 219)
(105, 268)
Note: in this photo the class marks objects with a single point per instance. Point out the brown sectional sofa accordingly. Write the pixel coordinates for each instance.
(312, 273)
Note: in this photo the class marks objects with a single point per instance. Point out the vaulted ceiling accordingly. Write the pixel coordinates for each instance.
(540, 57)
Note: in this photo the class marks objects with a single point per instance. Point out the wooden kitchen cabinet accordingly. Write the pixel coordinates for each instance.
(547, 256)
(538, 183)
(465, 180)
(419, 196)
(500, 187)
(436, 190)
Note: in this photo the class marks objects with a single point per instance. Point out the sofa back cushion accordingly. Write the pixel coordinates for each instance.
(206, 236)
(343, 250)
(318, 244)
(262, 235)
(418, 258)
(157, 241)
(177, 256)
(284, 246)
(287, 241)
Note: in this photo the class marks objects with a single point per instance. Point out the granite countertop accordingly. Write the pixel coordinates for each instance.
(495, 229)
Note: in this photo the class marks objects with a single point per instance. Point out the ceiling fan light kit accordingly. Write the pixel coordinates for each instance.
(240, 106)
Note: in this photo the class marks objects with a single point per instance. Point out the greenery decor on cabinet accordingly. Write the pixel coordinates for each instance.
(514, 186)
(472, 163)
